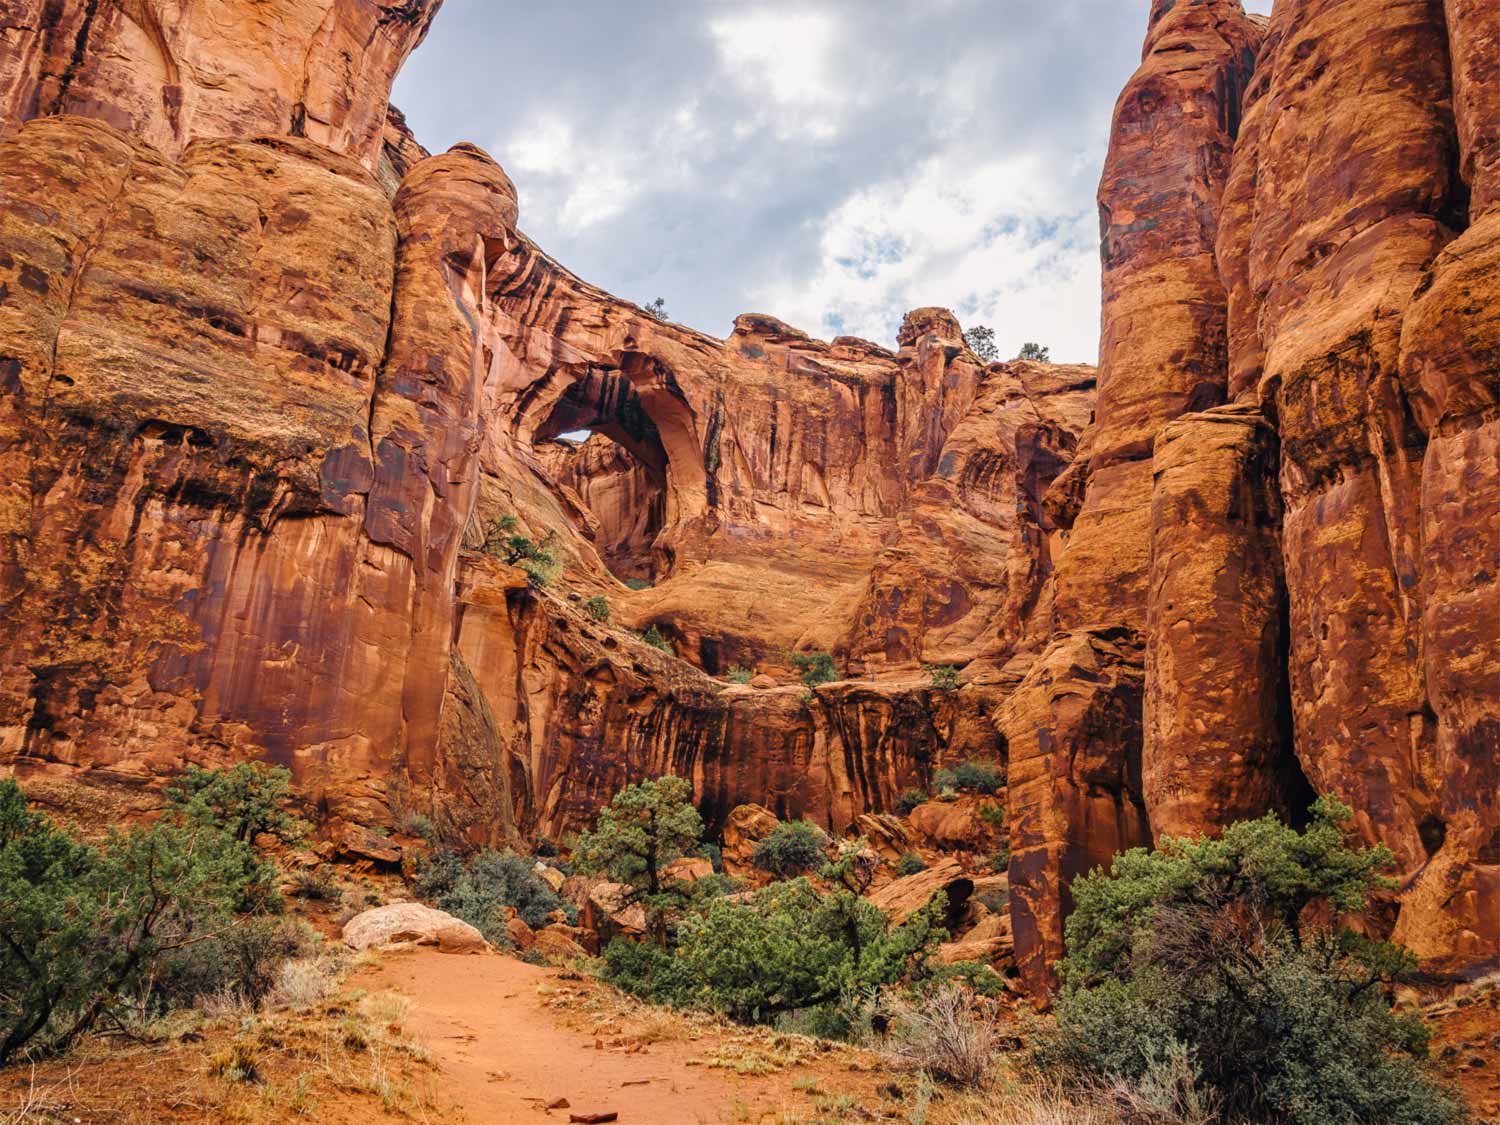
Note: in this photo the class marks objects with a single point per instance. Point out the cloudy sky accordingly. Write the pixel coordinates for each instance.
(830, 162)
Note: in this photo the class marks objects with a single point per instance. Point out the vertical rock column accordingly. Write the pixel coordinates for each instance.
(1450, 362)
(1353, 187)
(454, 212)
(1074, 724)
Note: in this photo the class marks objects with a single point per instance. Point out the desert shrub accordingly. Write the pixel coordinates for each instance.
(793, 848)
(1000, 857)
(86, 931)
(815, 668)
(738, 674)
(597, 607)
(243, 961)
(654, 638)
(639, 583)
(316, 885)
(537, 558)
(788, 948)
(993, 815)
(436, 874)
(980, 777)
(981, 341)
(996, 902)
(243, 800)
(910, 864)
(492, 881)
(419, 825)
(944, 677)
(910, 800)
(1206, 947)
(714, 854)
(945, 1032)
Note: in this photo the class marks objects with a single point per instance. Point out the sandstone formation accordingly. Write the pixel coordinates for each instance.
(271, 375)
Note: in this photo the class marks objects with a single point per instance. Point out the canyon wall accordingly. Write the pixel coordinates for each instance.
(270, 374)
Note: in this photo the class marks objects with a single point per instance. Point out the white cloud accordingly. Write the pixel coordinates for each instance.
(785, 61)
(991, 240)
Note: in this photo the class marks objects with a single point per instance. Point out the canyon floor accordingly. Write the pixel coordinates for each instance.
(422, 1036)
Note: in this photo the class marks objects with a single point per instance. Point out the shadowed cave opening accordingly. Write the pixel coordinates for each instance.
(601, 448)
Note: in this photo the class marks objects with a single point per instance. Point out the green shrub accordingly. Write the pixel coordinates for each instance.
(86, 931)
(739, 674)
(316, 885)
(944, 677)
(815, 668)
(639, 584)
(420, 826)
(910, 800)
(244, 800)
(788, 948)
(1207, 947)
(794, 847)
(597, 607)
(1035, 352)
(492, 881)
(993, 815)
(653, 637)
(980, 777)
(437, 874)
(714, 854)
(1000, 857)
(910, 864)
(537, 559)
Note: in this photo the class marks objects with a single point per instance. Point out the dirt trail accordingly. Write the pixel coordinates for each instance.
(505, 1050)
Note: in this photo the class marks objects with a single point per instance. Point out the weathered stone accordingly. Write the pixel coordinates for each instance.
(900, 899)
(411, 923)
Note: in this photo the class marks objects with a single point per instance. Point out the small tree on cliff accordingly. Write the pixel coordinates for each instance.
(1035, 353)
(643, 829)
(981, 341)
(658, 308)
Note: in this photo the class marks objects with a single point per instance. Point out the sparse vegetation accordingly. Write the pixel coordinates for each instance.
(981, 341)
(639, 583)
(793, 848)
(538, 559)
(910, 799)
(657, 308)
(944, 677)
(1222, 960)
(815, 668)
(653, 637)
(481, 890)
(643, 829)
(910, 864)
(738, 674)
(976, 777)
(1035, 353)
(597, 607)
(104, 933)
(945, 1032)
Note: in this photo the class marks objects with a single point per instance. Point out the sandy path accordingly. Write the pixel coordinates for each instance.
(504, 1054)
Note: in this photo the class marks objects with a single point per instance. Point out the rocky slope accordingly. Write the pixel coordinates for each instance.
(268, 371)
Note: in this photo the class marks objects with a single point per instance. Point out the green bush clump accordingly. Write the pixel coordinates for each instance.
(910, 864)
(653, 637)
(980, 777)
(793, 848)
(738, 674)
(788, 948)
(480, 890)
(993, 815)
(944, 677)
(89, 933)
(815, 668)
(537, 559)
(910, 800)
(597, 607)
(1208, 950)
(244, 800)
(639, 583)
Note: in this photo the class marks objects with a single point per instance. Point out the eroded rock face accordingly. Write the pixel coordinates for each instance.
(1075, 797)
(169, 71)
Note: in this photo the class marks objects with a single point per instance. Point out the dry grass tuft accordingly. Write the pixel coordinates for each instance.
(947, 1033)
